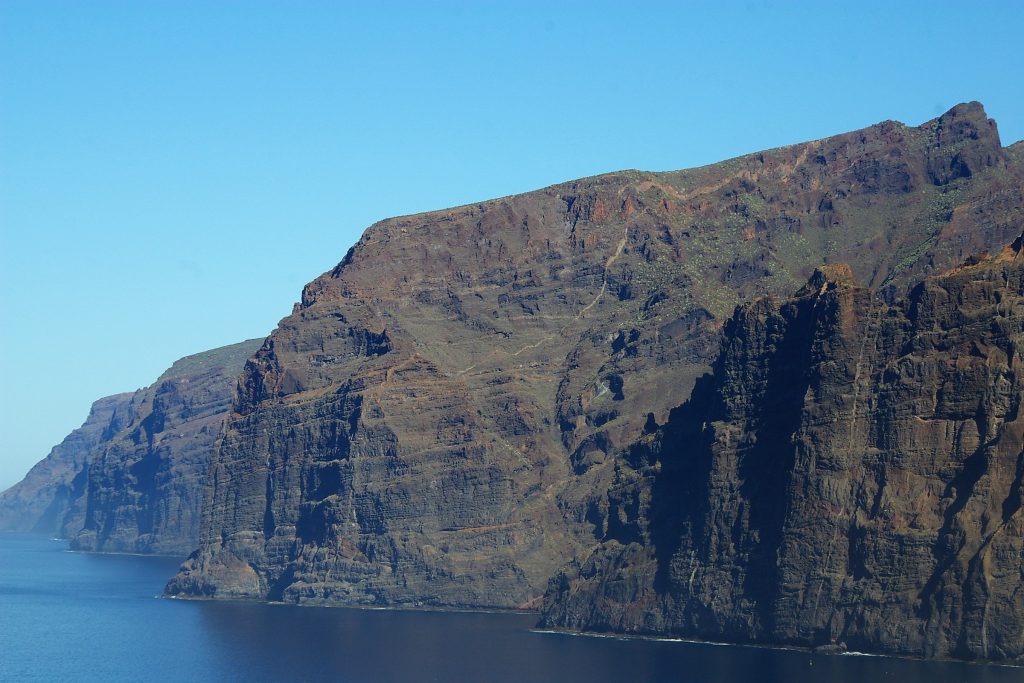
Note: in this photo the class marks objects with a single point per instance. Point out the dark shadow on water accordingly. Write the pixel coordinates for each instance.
(271, 642)
(75, 617)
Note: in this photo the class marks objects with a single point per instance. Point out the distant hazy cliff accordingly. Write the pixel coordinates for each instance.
(131, 478)
(48, 500)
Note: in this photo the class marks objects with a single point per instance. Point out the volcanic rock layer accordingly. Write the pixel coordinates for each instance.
(610, 383)
(850, 475)
(444, 418)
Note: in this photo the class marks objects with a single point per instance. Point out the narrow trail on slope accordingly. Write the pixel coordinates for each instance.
(609, 262)
(604, 283)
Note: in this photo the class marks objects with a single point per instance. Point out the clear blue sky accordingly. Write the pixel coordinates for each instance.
(172, 173)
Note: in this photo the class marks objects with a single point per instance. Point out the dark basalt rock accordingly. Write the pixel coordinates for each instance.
(131, 478)
(146, 485)
(849, 476)
(442, 419)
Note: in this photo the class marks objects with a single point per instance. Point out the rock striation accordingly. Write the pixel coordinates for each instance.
(444, 418)
(849, 475)
(145, 486)
(131, 478)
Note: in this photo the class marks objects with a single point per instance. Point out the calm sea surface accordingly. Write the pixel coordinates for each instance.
(76, 617)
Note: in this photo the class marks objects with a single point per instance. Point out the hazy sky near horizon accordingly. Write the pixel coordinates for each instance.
(172, 173)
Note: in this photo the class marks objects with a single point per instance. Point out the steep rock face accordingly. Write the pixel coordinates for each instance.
(47, 500)
(850, 474)
(131, 478)
(437, 422)
(145, 486)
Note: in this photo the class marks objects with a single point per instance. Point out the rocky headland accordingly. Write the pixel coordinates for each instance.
(448, 417)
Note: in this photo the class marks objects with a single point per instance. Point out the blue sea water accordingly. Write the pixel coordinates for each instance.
(82, 617)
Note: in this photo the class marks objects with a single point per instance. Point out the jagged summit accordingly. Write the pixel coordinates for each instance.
(965, 116)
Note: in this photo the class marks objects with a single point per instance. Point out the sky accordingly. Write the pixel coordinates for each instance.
(172, 172)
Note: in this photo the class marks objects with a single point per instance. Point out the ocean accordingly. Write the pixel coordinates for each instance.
(68, 616)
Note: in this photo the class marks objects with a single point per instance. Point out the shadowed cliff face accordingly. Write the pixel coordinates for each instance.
(131, 479)
(438, 421)
(850, 473)
(145, 487)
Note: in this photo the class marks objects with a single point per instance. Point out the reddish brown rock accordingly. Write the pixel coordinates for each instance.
(439, 420)
(850, 475)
